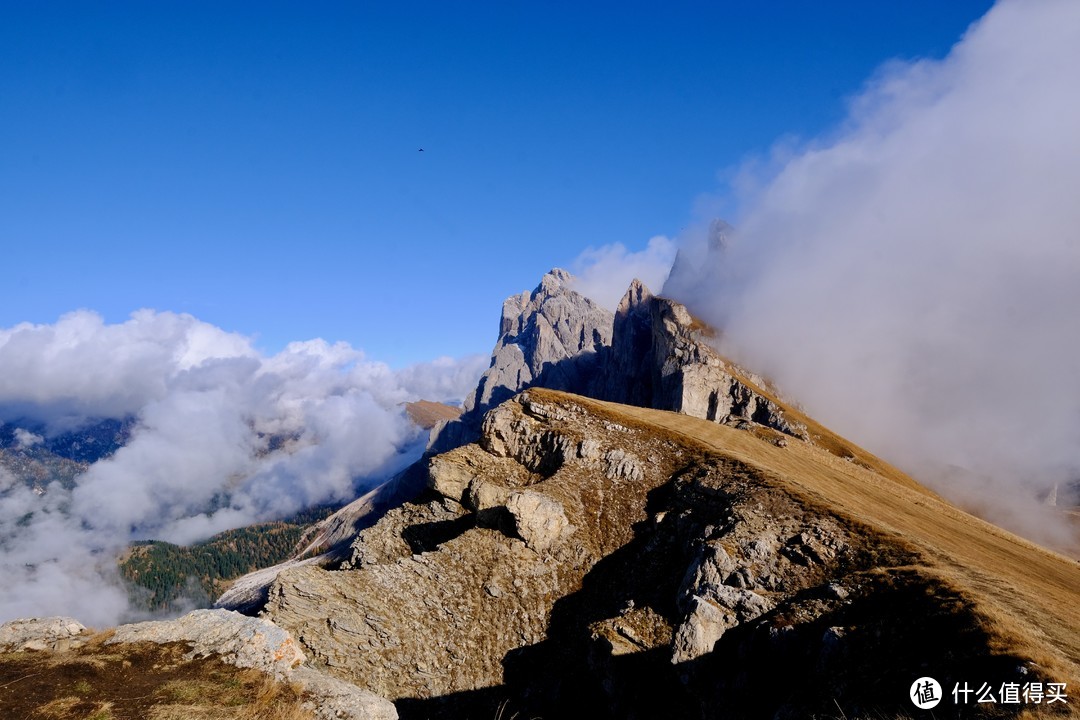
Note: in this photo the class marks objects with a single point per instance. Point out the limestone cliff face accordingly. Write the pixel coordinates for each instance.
(573, 562)
(551, 337)
(660, 357)
(650, 353)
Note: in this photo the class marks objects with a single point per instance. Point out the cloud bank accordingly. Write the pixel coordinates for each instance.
(603, 274)
(914, 279)
(223, 437)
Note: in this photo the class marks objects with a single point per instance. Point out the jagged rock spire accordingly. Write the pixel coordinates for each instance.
(650, 353)
(551, 337)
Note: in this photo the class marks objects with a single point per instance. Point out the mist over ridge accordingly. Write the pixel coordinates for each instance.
(912, 279)
(222, 437)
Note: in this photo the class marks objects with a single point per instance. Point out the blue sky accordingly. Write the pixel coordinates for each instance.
(256, 164)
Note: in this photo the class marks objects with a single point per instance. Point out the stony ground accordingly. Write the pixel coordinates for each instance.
(141, 681)
(589, 558)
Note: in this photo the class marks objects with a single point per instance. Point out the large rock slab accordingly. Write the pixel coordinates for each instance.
(258, 643)
(237, 639)
(49, 633)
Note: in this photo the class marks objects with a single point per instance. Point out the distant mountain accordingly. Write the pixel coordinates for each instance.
(37, 458)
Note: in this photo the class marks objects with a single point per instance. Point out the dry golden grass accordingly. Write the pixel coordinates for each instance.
(272, 702)
(59, 708)
(139, 682)
(1028, 597)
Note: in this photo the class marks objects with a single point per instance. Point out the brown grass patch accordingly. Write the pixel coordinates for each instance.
(58, 708)
(139, 682)
(1028, 597)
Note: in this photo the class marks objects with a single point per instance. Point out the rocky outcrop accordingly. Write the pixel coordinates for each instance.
(679, 370)
(50, 633)
(332, 699)
(326, 543)
(629, 365)
(650, 353)
(551, 337)
(577, 563)
(444, 587)
(248, 642)
(662, 357)
(237, 639)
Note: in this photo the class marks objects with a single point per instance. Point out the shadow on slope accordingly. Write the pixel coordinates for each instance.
(853, 640)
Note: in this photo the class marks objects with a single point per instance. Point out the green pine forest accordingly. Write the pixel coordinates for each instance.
(162, 577)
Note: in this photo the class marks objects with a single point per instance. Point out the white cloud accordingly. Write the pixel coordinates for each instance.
(914, 279)
(27, 439)
(217, 426)
(603, 274)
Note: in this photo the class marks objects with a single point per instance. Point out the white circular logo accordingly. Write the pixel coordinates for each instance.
(925, 693)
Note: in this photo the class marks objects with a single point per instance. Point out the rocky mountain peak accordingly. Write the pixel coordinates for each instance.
(551, 337)
(546, 337)
(651, 352)
(634, 296)
(554, 280)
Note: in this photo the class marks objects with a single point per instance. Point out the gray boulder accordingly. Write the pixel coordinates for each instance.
(260, 644)
(237, 639)
(50, 633)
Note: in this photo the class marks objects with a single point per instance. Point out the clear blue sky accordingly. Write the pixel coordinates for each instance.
(256, 164)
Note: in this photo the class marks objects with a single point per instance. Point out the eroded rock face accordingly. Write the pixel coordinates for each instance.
(551, 337)
(442, 589)
(577, 564)
(237, 639)
(260, 644)
(50, 633)
(660, 357)
(650, 353)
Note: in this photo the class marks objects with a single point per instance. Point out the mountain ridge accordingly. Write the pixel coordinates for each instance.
(671, 546)
(762, 537)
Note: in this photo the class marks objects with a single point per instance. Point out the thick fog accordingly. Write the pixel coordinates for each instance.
(914, 278)
(603, 274)
(223, 437)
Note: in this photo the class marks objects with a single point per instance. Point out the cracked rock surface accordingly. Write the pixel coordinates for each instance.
(572, 561)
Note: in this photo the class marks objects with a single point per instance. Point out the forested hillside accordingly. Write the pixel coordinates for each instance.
(162, 576)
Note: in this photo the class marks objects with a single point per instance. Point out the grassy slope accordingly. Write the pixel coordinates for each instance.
(139, 682)
(1029, 596)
